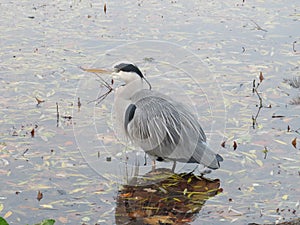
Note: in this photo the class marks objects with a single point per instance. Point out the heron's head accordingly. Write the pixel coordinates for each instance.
(128, 72)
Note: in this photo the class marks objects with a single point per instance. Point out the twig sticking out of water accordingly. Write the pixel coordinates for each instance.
(265, 151)
(260, 105)
(57, 115)
(105, 84)
(39, 101)
(103, 96)
(259, 27)
(294, 48)
(78, 104)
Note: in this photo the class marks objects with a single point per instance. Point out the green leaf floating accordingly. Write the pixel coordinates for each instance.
(3, 221)
(46, 222)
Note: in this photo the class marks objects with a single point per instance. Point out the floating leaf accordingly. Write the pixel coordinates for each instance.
(45, 206)
(223, 144)
(39, 196)
(47, 222)
(259, 162)
(50, 93)
(3, 221)
(63, 220)
(285, 197)
(104, 8)
(277, 116)
(32, 132)
(261, 77)
(39, 101)
(234, 145)
(8, 214)
(294, 142)
(280, 142)
(86, 219)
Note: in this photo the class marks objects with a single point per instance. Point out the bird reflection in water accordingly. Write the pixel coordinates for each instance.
(163, 197)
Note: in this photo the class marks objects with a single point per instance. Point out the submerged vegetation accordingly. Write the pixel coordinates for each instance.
(163, 197)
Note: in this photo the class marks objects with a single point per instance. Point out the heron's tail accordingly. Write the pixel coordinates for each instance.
(204, 155)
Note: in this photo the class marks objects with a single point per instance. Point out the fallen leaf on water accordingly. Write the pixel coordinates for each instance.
(39, 196)
(280, 142)
(285, 197)
(234, 145)
(259, 162)
(47, 222)
(294, 142)
(261, 77)
(223, 144)
(32, 132)
(126, 195)
(39, 101)
(76, 190)
(67, 143)
(63, 220)
(277, 116)
(45, 206)
(3, 221)
(8, 214)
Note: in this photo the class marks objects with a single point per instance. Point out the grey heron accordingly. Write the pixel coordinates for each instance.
(164, 128)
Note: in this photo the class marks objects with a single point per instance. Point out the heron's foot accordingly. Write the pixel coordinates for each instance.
(205, 171)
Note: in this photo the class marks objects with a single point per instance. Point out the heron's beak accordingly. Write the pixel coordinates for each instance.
(94, 70)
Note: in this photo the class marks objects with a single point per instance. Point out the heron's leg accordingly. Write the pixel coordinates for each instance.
(173, 167)
(153, 165)
(136, 170)
(145, 158)
(133, 180)
(204, 171)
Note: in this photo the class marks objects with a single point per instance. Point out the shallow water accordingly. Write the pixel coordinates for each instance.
(205, 53)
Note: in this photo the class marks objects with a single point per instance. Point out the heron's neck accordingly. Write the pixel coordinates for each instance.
(131, 88)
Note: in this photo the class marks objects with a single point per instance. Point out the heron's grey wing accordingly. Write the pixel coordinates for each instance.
(164, 128)
(184, 109)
